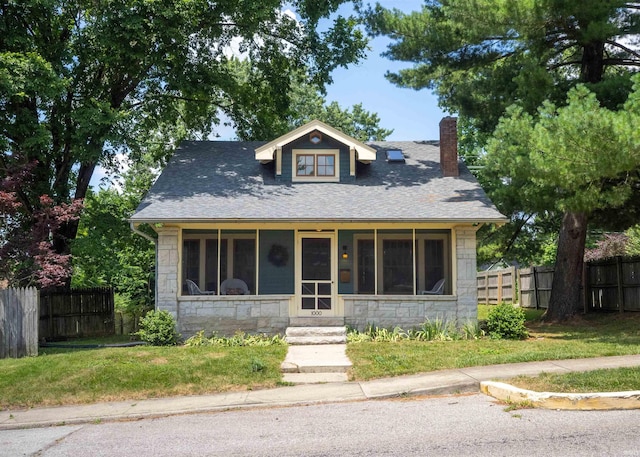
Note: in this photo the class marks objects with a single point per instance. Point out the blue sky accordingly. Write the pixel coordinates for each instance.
(414, 115)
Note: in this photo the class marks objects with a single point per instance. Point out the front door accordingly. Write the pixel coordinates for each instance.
(316, 292)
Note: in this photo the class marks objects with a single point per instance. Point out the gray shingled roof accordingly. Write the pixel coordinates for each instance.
(221, 180)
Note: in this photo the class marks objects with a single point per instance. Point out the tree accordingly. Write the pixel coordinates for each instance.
(25, 246)
(308, 104)
(577, 159)
(82, 80)
(106, 251)
(481, 56)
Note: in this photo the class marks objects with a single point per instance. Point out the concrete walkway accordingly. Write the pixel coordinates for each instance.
(434, 383)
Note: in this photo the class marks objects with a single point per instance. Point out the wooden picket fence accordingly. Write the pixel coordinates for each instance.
(610, 285)
(18, 322)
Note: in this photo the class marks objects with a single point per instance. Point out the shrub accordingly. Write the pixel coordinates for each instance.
(158, 328)
(506, 321)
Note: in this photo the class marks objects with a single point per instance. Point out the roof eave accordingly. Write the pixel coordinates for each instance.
(267, 151)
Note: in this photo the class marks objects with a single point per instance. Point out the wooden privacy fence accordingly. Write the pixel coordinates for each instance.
(497, 286)
(610, 285)
(18, 323)
(535, 287)
(614, 284)
(68, 313)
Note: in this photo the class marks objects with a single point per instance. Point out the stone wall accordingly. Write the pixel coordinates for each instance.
(167, 265)
(389, 311)
(466, 281)
(228, 314)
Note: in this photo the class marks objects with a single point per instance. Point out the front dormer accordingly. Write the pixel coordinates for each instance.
(315, 152)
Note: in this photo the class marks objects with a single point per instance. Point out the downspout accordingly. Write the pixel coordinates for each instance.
(155, 245)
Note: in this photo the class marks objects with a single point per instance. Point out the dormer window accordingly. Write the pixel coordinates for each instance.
(315, 165)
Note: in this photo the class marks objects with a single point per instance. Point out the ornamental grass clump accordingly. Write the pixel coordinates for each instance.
(237, 340)
(506, 321)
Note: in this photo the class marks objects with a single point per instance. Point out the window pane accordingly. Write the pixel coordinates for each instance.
(324, 288)
(397, 268)
(305, 165)
(316, 258)
(366, 267)
(190, 263)
(244, 261)
(308, 303)
(211, 265)
(326, 165)
(324, 303)
(434, 252)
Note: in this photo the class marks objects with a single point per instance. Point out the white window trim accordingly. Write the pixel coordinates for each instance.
(315, 152)
(378, 240)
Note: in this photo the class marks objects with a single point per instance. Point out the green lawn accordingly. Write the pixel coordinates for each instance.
(612, 380)
(67, 376)
(64, 376)
(590, 336)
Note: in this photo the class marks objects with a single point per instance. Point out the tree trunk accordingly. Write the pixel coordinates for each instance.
(566, 299)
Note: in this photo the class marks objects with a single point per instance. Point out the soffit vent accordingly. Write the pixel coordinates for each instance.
(395, 156)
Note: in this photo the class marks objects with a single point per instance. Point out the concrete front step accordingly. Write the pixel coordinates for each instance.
(324, 358)
(316, 335)
(316, 321)
(313, 340)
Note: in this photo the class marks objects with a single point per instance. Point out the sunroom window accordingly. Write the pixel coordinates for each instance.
(394, 262)
(202, 258)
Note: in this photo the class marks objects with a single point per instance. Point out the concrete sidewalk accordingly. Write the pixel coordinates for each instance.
(433, 383)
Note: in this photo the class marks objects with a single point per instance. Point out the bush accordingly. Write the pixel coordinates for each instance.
(158, 328)
(505, 321)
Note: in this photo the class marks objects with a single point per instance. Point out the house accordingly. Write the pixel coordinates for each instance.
(318, 228)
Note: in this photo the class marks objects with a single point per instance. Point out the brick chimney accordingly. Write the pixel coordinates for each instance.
(449, 146)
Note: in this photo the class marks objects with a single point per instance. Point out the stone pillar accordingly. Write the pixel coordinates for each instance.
(466, 282)
(167, 265)
(449, 147)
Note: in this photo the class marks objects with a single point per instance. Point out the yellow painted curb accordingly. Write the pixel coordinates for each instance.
(555, 400)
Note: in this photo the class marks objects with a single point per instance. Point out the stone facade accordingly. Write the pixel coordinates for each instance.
(227, 315)
(167, 274)
(270, 313)
(466, 272)
(406, 312)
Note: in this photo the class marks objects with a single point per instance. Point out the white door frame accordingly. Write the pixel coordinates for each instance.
(298, 281)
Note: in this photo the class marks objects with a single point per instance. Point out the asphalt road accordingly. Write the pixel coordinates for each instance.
(471, 425)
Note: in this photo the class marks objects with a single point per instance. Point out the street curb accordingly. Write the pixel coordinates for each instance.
(564, 401)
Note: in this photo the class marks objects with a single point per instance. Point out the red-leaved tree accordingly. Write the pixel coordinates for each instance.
(28, 233)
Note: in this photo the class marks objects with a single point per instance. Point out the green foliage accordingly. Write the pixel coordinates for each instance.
(633, 244)
(107, 252)
(506, 321)
(429, 330)
(239, 339)
(83, 81)
(158, 328)
(481, 57)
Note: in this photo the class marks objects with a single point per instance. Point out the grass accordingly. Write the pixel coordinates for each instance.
(589, 336)
(66, 376)
(72, 376)
(610, 380)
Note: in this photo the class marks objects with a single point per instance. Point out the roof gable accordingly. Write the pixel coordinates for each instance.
(267, 152)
